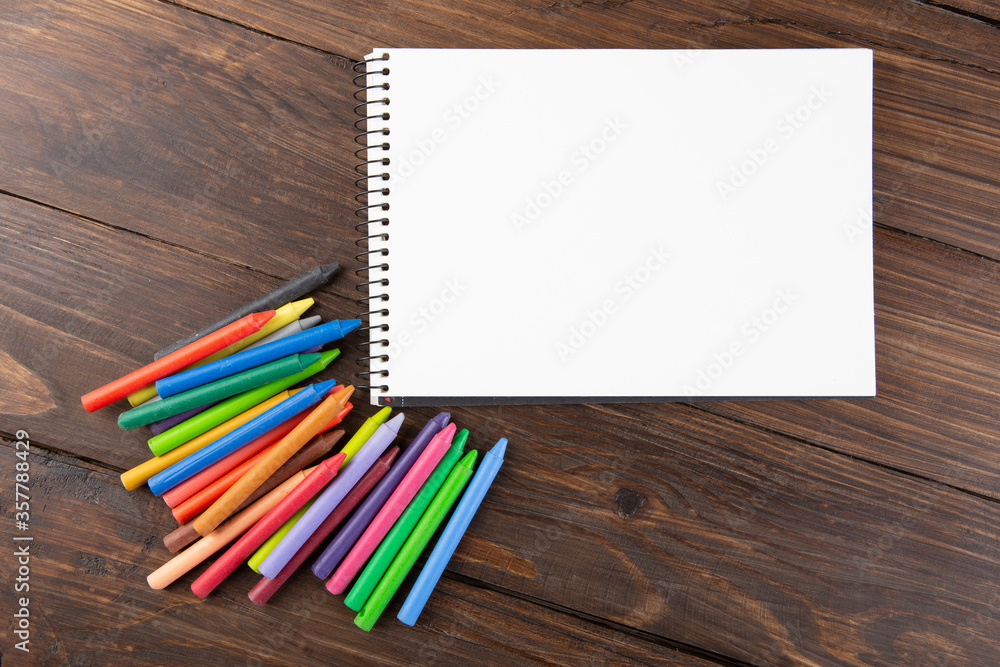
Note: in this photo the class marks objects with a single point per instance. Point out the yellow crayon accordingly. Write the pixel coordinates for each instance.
(282, 316)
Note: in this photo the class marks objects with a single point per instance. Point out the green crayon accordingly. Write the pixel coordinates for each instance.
(152, 411)
(416, 542)
(215, 415)
(264, 550)
(401, 530)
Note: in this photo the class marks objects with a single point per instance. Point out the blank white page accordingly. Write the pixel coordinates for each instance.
(595, 225)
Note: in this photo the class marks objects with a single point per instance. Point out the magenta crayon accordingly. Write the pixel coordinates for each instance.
(331, 497)
(265, 588)
(349, 534)
(394, 506)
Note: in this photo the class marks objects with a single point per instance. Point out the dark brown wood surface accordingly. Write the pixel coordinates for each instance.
(161, 162)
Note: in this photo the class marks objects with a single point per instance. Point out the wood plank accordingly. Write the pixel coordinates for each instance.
(156, 119)
(93, 546)
(937, 332)
(982, 9)
(86, 305)
(181, 135)
(736, 540)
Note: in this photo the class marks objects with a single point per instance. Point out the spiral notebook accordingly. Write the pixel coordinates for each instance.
(597, 226)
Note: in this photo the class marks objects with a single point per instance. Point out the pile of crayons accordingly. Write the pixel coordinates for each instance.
(233, 443)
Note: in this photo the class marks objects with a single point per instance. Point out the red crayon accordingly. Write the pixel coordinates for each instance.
(265, 588)
(175, 361)
(263, 529)
(189, 487)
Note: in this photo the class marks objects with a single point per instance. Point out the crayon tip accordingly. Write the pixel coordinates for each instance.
(260, 319)
(469, 459)
(442, 419)
(347, 326)
(309, 322)
(460, 439)
(381, 416)
(322, 388)
(499, 448)
(344, 393)
(343, 413)
(395, 423)
(308, 359)
(301, 306)
(334, 462)
(329, 269)
(328, 356)
(448, 432)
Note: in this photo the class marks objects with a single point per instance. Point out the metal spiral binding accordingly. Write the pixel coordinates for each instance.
(367, 139)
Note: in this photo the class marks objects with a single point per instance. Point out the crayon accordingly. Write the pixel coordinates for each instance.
(331, 497)
(121, 387)
(177, 566)
(186, 534)
(139, 475)
(219, 469)
(230, 407)
(452, 534)
(227, 563)
(283, 450)
(291, 290)
(203, 498)
(282, 316)
(348, 535)
(290, 329)
(364, 434)
(264, 550)
(390, 546)
(221, 389)
(256, 358)
(350, 449)
(233, 440)
(158, 427)
(265, 588)
(393, 507)
(415, 543)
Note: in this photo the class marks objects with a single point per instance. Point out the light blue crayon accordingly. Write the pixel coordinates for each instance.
(453, 532)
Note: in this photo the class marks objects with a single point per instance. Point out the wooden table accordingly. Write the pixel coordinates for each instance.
(162, 162)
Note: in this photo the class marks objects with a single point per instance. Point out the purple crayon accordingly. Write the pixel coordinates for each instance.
(363, 516)
(331, 496)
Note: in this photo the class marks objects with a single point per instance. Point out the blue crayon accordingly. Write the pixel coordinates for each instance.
(236, 438)
(452, 534)
(248, 358)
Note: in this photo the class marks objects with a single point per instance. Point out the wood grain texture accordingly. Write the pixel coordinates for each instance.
(196, 125)
(92, 549)
(202, 148)
(81, 324)
(178, 152)
(733, 539)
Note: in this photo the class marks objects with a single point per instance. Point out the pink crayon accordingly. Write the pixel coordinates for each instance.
(263, 529)
(393, 508)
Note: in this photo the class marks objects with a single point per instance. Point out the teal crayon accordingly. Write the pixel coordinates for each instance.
(216, 391)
